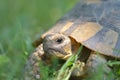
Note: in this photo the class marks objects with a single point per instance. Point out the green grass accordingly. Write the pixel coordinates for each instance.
(21, 22)
(67, 69)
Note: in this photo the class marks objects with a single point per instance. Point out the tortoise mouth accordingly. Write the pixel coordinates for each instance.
(58, 53)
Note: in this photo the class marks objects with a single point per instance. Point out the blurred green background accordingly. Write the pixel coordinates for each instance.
(21, 22)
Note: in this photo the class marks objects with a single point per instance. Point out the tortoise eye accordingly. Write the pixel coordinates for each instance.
(59, 40)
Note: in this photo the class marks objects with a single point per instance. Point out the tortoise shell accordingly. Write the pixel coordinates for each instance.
(94, 24)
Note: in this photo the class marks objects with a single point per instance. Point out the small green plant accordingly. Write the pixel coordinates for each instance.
(67, 68)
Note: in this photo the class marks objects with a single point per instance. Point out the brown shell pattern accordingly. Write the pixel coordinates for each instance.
(95, 25)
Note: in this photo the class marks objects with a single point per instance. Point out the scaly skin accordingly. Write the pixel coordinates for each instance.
(96, 63)
(32, 66)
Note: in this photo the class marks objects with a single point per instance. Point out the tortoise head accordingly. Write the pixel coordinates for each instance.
(57, 44)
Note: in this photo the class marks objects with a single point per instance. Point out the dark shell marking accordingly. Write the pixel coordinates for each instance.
(105, 15)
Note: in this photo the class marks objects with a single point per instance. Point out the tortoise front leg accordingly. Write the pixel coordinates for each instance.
(97, 67)
(32, 66)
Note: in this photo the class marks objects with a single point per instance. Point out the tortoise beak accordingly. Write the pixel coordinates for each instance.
(67, 56)
(60, 53)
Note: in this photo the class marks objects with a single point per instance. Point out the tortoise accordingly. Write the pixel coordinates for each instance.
(91, 23)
